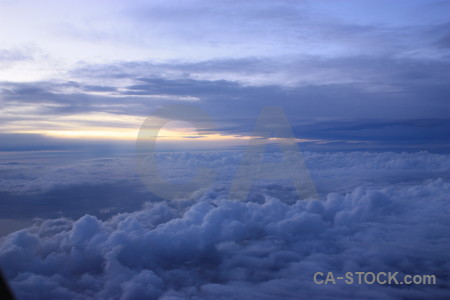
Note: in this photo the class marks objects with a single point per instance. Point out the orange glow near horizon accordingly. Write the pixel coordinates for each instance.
(131, 134)
(127, 129)
(178, 135)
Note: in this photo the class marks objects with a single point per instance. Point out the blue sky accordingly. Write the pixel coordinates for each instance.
(349, 74)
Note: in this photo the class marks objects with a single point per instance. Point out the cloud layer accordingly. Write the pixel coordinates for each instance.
(269, 247)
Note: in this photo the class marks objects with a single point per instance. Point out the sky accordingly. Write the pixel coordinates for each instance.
(349, 74)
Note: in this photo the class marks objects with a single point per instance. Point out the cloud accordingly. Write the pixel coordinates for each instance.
(363, 70)
(14, 55)
(385, 93)
(440, 33)
(215, 248)
(205, 30)
(40, 142)
(378, 134)
(50, 172)
(444, 41)
(70, 184)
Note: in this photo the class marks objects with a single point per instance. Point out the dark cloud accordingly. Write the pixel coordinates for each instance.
(444, 41)
(74, 201)
(411, 133)
(186, 87)
(363, 90)
(38, 142)
(441, 34)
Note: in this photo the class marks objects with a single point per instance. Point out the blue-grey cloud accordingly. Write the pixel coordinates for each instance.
(209, 247)
(402, 97)
(14, 55)
(39, 142)
(47, 184)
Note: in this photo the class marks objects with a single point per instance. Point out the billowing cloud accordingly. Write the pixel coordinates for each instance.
(239, 250)
(378, 212)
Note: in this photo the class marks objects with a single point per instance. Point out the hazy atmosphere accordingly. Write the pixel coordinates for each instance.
(224, 149)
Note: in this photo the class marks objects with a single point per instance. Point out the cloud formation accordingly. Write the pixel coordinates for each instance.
(238, 250)
(210, 247)
(321, 62)
(343, 99)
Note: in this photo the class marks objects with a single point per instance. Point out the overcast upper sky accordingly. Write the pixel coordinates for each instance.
(357, 73)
